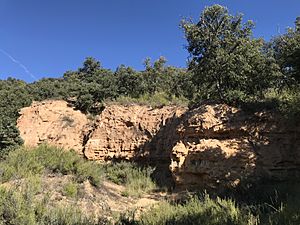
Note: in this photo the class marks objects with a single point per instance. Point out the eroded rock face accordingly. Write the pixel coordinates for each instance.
(212, 147)
(277, 145)
(221, 147)
(52, 122)
(122, 132)
(130, 132)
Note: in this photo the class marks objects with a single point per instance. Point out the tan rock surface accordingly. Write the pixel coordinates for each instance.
(118, 132)
(213, 149)
(221, 146)
(52, 122)
(129, 131)
(213, 146)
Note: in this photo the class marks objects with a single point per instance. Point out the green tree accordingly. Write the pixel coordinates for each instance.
(178, 82)
(90, 85)
(287, 53)
(152, 76)
(14, 95)
(50, 88)
(90, 66)
(128, 82)
(227, 63)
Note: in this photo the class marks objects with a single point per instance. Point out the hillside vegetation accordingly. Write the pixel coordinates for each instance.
(47, 185)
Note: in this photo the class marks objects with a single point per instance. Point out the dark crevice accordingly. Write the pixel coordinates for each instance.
(87, 135)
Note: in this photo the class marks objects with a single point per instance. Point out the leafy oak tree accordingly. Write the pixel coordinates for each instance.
(286, 49)
(227, 63)
(287, 53)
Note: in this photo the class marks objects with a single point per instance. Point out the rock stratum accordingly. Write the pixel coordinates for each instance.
(214, 146)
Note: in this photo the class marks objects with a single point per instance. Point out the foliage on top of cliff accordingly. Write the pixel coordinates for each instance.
(228, 64)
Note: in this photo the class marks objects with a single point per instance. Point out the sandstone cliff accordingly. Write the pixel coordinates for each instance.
(119, 132)
(213, 146)
(126, 132)
(222, 147)
(52, 122)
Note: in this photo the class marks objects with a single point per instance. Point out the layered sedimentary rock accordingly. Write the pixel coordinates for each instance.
(123, 132)
(213, 146)
(276, 142)
(132, 132)
(222, 147)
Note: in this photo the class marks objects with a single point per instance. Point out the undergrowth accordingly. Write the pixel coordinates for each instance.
(22, 208)
(24, 202)
(137, 181)
(216, 211)
(288, 102)
(24, 162)
(71, 190)
(156, 100)
(196, 211)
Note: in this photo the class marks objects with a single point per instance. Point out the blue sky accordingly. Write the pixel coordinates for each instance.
(49, 37)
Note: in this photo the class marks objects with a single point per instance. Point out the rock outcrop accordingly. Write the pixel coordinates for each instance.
(52, 122)
(131, 132)
(213, 146)
(222, 147)
(119, 132)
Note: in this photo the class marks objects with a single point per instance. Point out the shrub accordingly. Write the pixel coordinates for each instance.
(136, 180)
(69, 216)
(21, 208)
(288, 101)
(70, 190)
(156, 100)
(67, 121)
(196, 211)
(287, 214)
(23, 162)
(287, 210)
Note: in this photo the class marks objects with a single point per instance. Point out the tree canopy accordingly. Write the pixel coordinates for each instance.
(287, 52)
(227, 62)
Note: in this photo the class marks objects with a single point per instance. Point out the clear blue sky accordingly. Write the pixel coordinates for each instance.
(50, 37)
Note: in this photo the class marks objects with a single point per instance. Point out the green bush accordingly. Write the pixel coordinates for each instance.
(136, 180)
(287, 100)
(22, 208)
(24, 162)
(156, 100)
(287, 214)
(196, 211)
(287, 210)
(70, 190)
